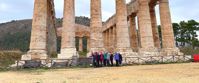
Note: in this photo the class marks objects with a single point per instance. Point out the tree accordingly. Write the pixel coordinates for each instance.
(185, 32)
(176, 30)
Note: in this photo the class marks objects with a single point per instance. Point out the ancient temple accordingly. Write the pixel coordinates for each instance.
(132, 31)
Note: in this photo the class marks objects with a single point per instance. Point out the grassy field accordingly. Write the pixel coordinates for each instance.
(165, 73)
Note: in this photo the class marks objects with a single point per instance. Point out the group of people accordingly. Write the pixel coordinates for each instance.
(106, 59)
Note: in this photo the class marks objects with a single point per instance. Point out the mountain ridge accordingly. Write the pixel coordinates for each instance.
(16, 33)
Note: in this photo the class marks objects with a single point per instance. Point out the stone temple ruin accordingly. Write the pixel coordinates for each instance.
(118, 34)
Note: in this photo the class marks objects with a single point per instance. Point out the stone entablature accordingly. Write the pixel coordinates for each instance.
(132, 7)
(80, 31)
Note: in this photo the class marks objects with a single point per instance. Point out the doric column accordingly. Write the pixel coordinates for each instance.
(123, 39)
(145, 27)
(166, 25)
(96, 26)
(168, 41)
(88, 43)
(114, 37)
(68, 49)
(154, 27)
(133, 33)
(104, 36)
(38, 41)
(110, 39)
(107, 39)
(51, 29)
(138, 34)
(80, 44)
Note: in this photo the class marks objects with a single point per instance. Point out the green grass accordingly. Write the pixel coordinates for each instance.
(83, 54)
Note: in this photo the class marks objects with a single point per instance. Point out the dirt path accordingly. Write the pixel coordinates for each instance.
(169, 73)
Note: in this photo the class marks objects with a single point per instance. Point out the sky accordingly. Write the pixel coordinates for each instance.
(23, 9)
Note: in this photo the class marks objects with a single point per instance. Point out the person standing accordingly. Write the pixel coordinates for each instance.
(120, 59)
(105, 58)
(94, 59)
(116, 57)
(101, 58)
(108, 59)
(98, 59)
(111, 59)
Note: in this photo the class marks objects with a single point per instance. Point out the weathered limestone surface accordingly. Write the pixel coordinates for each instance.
(114, 34)
(51, 30)
(68, 49)
(88, 43)
(122, 25)
(148, 38)
(38, 41)
(80, 31)
(80, 44)
(145, 29)
(132, 7)
(39, 24)
(114, 37)
(110, 49)
(133, 33)
(96, 26)
(106, 39)
(168, 40)
(166, 25)
(111, 39)
(123, 41)
(145, 25)
(154, 27)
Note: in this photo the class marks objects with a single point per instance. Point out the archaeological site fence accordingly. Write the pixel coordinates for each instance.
(157, 59)
(87, 62)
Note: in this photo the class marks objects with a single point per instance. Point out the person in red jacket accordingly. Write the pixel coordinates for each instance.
(101, 58)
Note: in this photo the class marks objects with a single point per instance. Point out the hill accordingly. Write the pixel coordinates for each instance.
(16, 34)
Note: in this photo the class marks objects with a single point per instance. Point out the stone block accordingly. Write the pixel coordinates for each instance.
(32, 64)
(68, 53)
(60, 64)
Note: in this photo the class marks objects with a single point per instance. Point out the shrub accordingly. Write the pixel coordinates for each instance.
(189, 50)
(83, 54)
(9, 58)
(53, 55)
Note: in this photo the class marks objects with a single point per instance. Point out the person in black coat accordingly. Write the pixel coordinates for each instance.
(94, 59)
(120, 59)
(111, 59)
(98, 59)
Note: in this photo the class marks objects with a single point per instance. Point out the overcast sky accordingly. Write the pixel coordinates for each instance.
(23, 9)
